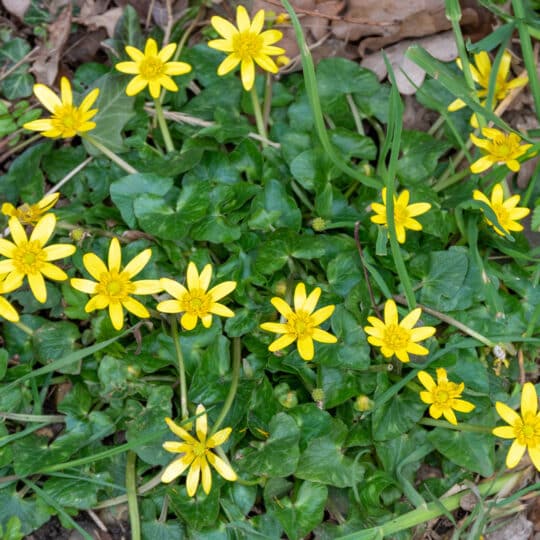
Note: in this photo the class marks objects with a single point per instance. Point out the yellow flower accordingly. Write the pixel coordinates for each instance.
(498, 148)
(30, 257)
(196, 455)
(399, 338)
(67, 120)
(246, 45)
(114, 286)
(301, 324)
(29, 214)
(525, 429)
(196, 301)
(10, 283)
(152, 68)
(481, 74)
(507, 212)
(403, 214)
(443, 396)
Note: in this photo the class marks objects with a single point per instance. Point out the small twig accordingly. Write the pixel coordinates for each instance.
(70, 175)
(149, 14)
(97, 521)
(22, 61)
(366, 273)
(170, 22)
(194, 121)
(522, 378)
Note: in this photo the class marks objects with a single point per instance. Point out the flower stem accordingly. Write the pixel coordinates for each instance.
(131, 488)
(261, 128)
(181, 368)
(459, 427)
(163, 126)
(527, 51)
(111, 155)
(237, 357)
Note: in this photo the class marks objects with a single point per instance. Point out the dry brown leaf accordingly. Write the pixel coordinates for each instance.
(45, 67)
(105, 20)
(441, 46)
(16, 7)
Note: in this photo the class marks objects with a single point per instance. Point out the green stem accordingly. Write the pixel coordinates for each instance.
(433, 510)
(459, 427)
(261, 128)
(131, 488)
(111, 155)
(237, 358)
(49, 418)
(24, 328)
(181, 368)
(527, 51)
(163, 126)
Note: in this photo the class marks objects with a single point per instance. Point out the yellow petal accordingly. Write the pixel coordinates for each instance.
(154, 88)
(173, 287)
(450, 416)
(116, 313)
(201, 423)
(43, 124)
(220, 291)
(207, 320)
(411, 319)
(426, 397)
(258, 22)
(169, 306)
(177, 68)
(37, 286)
(223, 27)
(427, 380)
(179, 431)
(7, 311)
(115, 256)
(53, 272)
(7, 248)
(247, 73)
(136, 85)
(242, 19)
(134, 53)
(300, 296)
(534, 454)
(218, 438)
(221, 310)
(271, 36)
(206, 476)
(189, 321)
(529, 400)
(135, 307)
(131, 68)
(176, 468)
(482, 164)
(94, 266)
(65, 92)
(322, 314)
(418, 209)
(167, 52)
(505, 432)
(58, 251)
(421, 333)
(150, 48)
(311, 301)
(463, 406)
(147, 286)
(192, 481)
(323, 336)
(223, 45)
(222, 467)
(390, 313)
(456, 105)
(138, 263)
(281, 342)
(96, 302)
(228, 64)
(515, 454)
(44, 229)
(192, 277)
(266, 63)
(84, 285)
(305, 348)
(506, 413)
(277, 328)
(17, 231)
(282, 307)
(47, 97)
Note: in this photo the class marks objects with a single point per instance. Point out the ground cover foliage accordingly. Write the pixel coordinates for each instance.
(321, 432)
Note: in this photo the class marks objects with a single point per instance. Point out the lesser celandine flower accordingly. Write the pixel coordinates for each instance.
(403, 214)
(152, 68)
(7, 285)
(481, 74)
(398, 338)
(29, 214)
(196, 454)
(30, 258)
(302, 323)
(524, 428)
(443, 396)
(498, 148)
(67, 120)
(246, 45)
(507, 211)
(196, 302)
(114, 286)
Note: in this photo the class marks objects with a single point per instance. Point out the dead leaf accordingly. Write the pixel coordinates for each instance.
(518, 528)
(441, 46)
(45, 66)
(105, 20)
(16, 7)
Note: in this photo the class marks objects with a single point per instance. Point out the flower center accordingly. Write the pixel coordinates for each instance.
(151, 68)
(115, 286)
(68, 120)
(196, 302)
(502, 214)
(300, 324)
(199, 449)
(247, 45)
(528, 431)
(401, 214)
(396, 338)
(29, 258)
(503, 149)
(28, 213)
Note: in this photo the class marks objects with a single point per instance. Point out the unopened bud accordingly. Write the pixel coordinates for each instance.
(363, 403)
(289, 400)
(319, 224)
(318, 394)
(77, 234)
